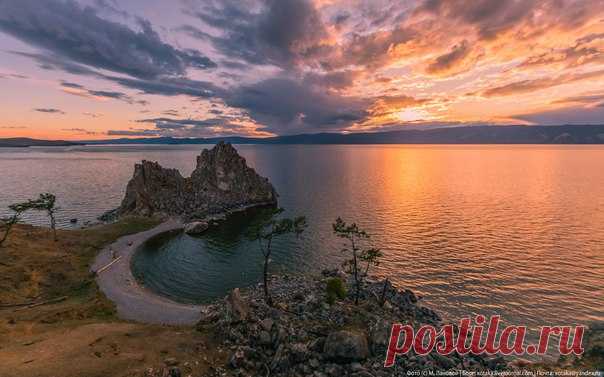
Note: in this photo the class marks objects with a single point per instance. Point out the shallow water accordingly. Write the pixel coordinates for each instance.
(512, 230)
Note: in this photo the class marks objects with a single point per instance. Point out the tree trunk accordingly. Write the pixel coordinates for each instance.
(383, 298)
(9, 225)
(53, 226)
(267, 257)
(355, 268)
(265, 277)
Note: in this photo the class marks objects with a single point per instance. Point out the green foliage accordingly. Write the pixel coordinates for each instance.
(335, 290)
(46, 202)
(18, 210)
(370, 256)
(269, 226)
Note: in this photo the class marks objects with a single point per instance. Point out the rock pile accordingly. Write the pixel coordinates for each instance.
(302, 335)
(221, 182)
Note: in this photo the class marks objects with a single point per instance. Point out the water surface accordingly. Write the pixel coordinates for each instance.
(512, 230)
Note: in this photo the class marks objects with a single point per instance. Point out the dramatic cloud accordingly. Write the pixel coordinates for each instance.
(586, 50)
(451, 60)
(527, 86)
(75, 33)
(262, 67)
(278, 32)
(79, 90)
(287, 106)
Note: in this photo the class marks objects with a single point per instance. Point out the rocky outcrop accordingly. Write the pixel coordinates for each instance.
(221, 182)
(302, 334)
(196, 227)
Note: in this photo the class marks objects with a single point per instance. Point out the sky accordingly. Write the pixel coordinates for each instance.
(98, 69)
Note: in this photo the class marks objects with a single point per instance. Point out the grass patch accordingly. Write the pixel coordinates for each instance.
(34, 268)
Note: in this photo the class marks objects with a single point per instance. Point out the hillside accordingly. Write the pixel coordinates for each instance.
(576, 134)
(22, 142)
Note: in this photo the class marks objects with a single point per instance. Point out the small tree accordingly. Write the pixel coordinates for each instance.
(46, 202)
(354, 235)
(265, 230)
(18, 210)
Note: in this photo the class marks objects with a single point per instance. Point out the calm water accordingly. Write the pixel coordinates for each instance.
(514, 230)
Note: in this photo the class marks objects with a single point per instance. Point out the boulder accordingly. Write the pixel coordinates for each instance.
(196, 227)
(221, 182)
(346, 346)
(237, 308)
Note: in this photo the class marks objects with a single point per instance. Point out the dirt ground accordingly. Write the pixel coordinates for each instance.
(54, 322)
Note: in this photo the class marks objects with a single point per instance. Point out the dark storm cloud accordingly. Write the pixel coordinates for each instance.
(278, 32)
(285, 106)
(74, 33)
(49, 111)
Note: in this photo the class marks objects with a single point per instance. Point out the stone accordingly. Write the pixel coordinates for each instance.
(346, 346)
(221, 183)
(264, 338)
(171, 362)
(196, 227)
(237, 308)
(267, 324)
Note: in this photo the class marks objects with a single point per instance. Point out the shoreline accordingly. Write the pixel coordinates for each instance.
(132, 300)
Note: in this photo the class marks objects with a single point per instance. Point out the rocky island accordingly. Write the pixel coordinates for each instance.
(221, 183)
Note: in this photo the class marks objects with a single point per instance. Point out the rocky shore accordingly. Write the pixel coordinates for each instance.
(303, 335)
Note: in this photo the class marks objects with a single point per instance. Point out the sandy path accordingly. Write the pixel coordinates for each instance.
(133, 301)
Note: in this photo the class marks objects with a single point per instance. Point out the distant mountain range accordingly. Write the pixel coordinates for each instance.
(27, 142)
(567, 134)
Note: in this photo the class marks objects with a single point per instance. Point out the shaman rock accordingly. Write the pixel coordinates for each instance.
(221, 182)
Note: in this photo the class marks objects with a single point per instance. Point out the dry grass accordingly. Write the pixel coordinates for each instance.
(79, 335)
(35, 268)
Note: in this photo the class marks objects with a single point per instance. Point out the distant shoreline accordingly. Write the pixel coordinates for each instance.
(468, 135)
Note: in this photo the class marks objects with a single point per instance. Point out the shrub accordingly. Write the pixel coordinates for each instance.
(335, 289)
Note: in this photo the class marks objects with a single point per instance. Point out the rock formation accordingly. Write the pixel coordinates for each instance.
(221, 182)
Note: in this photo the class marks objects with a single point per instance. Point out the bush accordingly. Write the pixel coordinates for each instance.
(335, 289)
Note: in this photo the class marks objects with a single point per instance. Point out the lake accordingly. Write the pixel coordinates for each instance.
(511, 230)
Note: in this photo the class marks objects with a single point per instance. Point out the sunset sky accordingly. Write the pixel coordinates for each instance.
(194, 68)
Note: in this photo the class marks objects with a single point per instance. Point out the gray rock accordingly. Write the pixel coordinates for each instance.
(346, 346)
(237, 308)
(267, 324)
(264, 338)
(221, 182)
(196, 227)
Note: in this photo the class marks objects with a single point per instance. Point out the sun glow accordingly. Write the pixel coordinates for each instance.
(411, 115)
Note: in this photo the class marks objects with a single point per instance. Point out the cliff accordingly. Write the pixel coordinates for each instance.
(221, 182)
